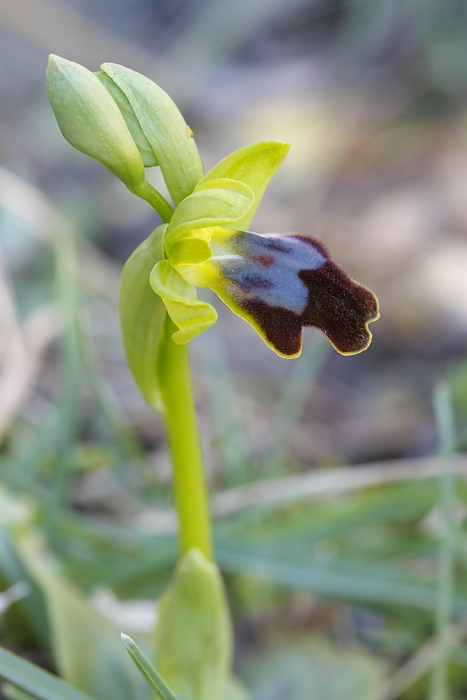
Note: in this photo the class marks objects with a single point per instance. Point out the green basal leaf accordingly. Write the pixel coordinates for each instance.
(134, 127)
(142, 316)
(29, 614)
(193, 634)
(147, 670)
(85, 646)
(35, 680)
(190, 315)
(12, 692)
(220, 202)
(254, 166)
(90, 120)
(170, 137)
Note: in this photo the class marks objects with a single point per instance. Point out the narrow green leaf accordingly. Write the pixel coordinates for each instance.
(147, 669)
(30, 612)
(439, 686)
(35, 680)
(12, 692)
(254, 166)
(170, 137)
(336, 579)
(85, 646)
(142, 314)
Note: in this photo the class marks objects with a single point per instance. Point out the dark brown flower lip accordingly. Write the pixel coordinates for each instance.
(336, 304)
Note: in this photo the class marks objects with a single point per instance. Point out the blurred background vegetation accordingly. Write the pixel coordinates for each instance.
(328, 519)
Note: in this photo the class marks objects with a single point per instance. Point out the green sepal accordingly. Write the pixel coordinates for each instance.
(142, 316)
(90, 120)
(144, 147)
(220, 202)
(254, 166)
(191, 315)
(193, 633)
(170, 137)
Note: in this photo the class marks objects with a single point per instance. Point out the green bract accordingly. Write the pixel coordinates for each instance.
(194, 634)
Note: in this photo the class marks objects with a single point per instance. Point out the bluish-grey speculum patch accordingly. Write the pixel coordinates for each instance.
(286, 282)
(267, 267)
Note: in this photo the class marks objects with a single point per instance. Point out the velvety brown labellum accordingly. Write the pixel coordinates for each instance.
(336, 305)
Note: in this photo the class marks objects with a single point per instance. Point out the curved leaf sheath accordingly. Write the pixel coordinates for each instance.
(142, 315)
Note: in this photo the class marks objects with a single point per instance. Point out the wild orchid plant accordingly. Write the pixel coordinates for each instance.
(278, 283)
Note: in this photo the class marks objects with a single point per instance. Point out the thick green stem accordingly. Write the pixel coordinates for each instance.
(155, 199)
(185, 446)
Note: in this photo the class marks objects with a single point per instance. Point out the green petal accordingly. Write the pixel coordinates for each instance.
(90, 120)
(216, 203)
(142, 316)
(134, 127)
(190, 315)
(170, 137)
(254, 166)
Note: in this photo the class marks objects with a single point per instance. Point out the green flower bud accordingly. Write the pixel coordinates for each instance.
(91, 121)
(163, 125)
(122, 102)
(193, 634)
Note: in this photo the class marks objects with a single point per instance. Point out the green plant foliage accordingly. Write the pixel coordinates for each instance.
(193, 633)
(32, 679)
(147, 670)
(308, 670)
(85, 646)
(27, 618)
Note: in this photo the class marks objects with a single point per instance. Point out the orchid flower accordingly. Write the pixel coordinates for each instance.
(278, 283)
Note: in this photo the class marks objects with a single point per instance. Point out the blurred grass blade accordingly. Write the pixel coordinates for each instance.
(13, 593)
(105, 397)
(68, 293)
(35, 680)
(85, 645)
(12, 692)
(439, 689)
(147, 669)
(353, 581)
